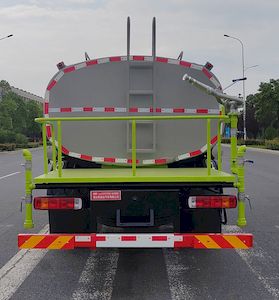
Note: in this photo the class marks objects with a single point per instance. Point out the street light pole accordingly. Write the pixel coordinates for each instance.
(243, 83)
(6, 37)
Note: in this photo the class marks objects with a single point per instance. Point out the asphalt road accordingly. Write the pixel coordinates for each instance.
(138, 273)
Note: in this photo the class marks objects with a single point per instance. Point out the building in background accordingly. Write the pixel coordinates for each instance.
(23, 94)
(26, 95)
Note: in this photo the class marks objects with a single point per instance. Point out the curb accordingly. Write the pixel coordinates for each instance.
(20, 150)
(275, 152)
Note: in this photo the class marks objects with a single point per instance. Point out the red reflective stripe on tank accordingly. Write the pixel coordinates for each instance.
(51, 85)
(138, 57)
(109, 109)
(129, 238)
(162, 59)
(109, 159)
(195, 153)
(86, 157)
(87, 108)
(178, 110)
(133, 109)
(202, 111)
(160, 161)
(206, 72)
(46, 107)
(158, 110)
(115, 58)
(65, 109)
(151, 109)
(185, 63)
(214, 140)
(48, 131)
(157, 238)
(91, 62)
(65, 150)
(69, 69)
(130, 161)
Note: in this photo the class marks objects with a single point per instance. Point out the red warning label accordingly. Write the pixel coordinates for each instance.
(105, 195)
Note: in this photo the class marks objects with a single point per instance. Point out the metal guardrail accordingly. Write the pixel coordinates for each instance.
(57, 164)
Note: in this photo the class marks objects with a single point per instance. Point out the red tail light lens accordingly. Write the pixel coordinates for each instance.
(219, 201)
(44, 203)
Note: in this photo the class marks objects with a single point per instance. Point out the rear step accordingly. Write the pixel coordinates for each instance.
(139, 240)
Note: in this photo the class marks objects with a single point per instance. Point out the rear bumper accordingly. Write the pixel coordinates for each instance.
(139, 240)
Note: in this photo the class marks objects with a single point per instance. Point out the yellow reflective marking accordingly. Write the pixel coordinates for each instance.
(59, 242)
(32, 242)
(235, 242)
(207, 241)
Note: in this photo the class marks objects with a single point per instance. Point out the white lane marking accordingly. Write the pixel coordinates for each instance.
(258, 261)
(96, 279)
(18, 268)
(277, 226)
(5, 176)
(176, 270)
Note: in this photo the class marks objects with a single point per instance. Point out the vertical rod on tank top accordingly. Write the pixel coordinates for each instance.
(128, 38)
(219, 146)
(53, 147)
(208, 152)
(134, 145)
(59, 137)
(45, 148)
(154, 38)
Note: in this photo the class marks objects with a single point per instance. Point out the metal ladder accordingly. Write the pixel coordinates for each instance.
(141, 94)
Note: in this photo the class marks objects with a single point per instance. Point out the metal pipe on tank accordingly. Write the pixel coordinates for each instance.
(154, 38)
(128, 38)
(214, 92)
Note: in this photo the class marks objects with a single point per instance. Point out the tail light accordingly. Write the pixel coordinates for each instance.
(216, 201)
(57, 203)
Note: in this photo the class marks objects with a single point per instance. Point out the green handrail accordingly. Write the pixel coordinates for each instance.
(208, 148)
(131, 118)
(134, 146)
(58, 122)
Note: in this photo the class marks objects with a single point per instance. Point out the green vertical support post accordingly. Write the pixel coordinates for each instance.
(28, 222)
(233, 119)
(45, 148)
(134, 146)
(59, 140)
(208, 148)
(241, 220)
(219, 146)
(53, 147)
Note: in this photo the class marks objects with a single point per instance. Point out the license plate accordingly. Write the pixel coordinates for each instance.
(102, 195)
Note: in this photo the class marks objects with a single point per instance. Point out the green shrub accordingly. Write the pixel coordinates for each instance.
(251, 142)
(7, 136)
(248, 142)
(270, 133)
(7, 147)
(33, 144)
(21, 139)
(272, 144)
(226, 141)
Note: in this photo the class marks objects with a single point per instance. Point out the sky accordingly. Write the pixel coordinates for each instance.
(49, 31)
